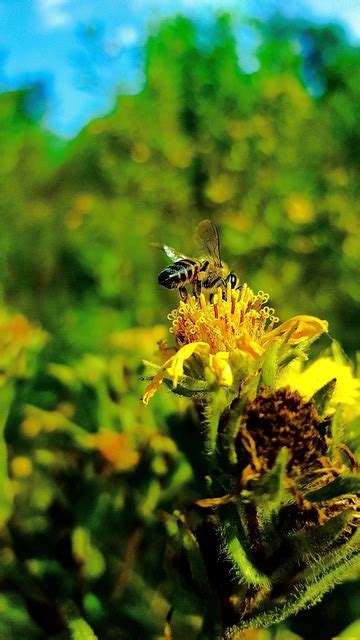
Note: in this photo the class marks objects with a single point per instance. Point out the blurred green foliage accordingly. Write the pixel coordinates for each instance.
(272, 157)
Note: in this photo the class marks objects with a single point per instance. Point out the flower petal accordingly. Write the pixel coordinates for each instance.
(318, 374)
(250, 347)
(177, 361)
(219, 364)
(297, 329)
(153, 386)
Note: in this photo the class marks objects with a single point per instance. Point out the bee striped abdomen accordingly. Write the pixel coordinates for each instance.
(179, 273)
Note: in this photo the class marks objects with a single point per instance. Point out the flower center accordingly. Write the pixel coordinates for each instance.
(282, 418)
(224, 323)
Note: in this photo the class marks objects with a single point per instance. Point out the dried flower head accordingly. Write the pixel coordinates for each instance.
(284, 419)
(277, 419)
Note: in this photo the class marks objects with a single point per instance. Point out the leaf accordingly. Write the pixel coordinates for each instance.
(340, 486)
(351, 632)
(269, 365)
(228, 426)
(197, 567)
(271, 492)
(80, 630)
(91, 558)
(187, 385)
(6, 499)
(180, 532)
(305, 594)
(213, 410)
(322, 397)
(235, 547)
(310, 546)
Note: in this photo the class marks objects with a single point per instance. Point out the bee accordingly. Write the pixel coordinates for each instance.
(207, 273)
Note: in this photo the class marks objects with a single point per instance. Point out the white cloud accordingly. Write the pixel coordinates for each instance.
(348, 12)
(127, 36)
(54, 13)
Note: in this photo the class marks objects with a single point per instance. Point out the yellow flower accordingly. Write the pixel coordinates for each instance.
(239, 323)
(18, 341)
(17, 330)
(115, 448)
(219, 365)
(297, 329)
(174, 367)
(315, 376)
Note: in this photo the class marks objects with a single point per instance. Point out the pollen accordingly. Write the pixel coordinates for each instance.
(225, 323)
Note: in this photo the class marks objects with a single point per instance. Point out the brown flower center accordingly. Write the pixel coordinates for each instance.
(276, 419)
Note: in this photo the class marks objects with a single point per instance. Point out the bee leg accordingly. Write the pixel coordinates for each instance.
(219, 282)
(183, 294)
(196, 288)
(204, 265)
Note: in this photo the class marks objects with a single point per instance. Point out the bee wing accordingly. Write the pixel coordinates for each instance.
(207, 237)
(170, 252)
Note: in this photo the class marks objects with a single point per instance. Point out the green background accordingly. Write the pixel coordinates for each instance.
(272, 157)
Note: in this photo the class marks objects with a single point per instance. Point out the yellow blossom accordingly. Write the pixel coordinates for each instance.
(297, 329)
(21, 467)
(239, 323)
(18, 339)
(153, 386)
(315, 376)
(176, 368)
(226, 324)
(219, 364)
(115, 448)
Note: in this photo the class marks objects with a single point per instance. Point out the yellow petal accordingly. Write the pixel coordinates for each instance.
(215, 502)
(177, 361)
(249, 347)
(153, 386)
(297, 329)
(116, 448)
(318, 374)
(219, 364)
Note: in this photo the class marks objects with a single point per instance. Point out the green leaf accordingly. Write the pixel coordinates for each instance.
(91, 558)
(6, 499)
(323, 396)
(341, 485)
(270, 491)
(305, 594)
(337, 427)
(310, 545)
(80, 630)
(228, 426)
(236, 547)
(187, 386)
(352, 632)
(151, 369)
(269, 366)
(197, 567)
(213, 411)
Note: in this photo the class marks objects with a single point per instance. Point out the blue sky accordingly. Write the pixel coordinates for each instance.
(44, 40)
